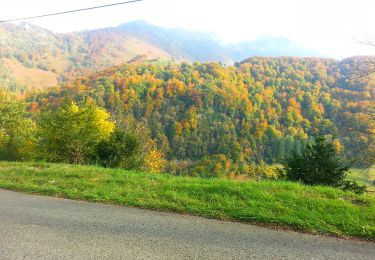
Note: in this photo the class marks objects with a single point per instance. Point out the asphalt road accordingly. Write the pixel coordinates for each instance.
(37, 227)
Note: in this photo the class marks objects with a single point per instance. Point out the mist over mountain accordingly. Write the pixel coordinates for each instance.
(33, 57)
(203, 46)
(268, 46)
(179, 43)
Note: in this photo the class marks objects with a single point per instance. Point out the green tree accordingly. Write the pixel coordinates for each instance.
(16, 130)
(130, 146)
(121, 150)
(318, 164)
(71, 133)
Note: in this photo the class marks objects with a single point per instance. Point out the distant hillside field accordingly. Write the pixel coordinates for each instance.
(364, 176)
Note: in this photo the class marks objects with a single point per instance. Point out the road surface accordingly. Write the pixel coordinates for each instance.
(37, 227)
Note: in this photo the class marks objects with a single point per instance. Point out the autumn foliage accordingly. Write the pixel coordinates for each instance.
(207, 119)
(256, 111)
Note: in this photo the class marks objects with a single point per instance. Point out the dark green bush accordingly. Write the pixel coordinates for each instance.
(349, 185)
(318, 164)
(119, 151)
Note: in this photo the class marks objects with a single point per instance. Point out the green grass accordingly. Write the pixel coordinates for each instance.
(364, 177)
(291, 205)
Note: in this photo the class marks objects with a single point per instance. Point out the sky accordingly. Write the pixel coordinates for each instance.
(330, 27)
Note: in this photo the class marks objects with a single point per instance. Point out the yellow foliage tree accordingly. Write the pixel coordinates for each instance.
(70, 133)
(155, 162)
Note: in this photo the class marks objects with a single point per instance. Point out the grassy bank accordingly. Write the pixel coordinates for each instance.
(292, 205)
(364, 177)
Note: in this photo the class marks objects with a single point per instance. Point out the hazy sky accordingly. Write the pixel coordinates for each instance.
(327, 26)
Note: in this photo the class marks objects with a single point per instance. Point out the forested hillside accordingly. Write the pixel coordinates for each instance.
(229, 117)
(32, 57)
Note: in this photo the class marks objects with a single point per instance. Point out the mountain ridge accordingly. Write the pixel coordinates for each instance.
(32, 57)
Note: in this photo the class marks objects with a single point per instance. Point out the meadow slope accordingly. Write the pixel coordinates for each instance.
(320, 210)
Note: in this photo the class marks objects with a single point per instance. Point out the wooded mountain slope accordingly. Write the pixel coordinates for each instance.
(32, 57)
(259, 110)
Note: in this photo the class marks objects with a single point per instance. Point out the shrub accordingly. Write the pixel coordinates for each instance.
(17, 131)
(130, 146)
(71, 132)
(119, 151)
(178, 167)
(348, 185)
(318, 164)
(261, 171)
(155, 162)
(217, 165)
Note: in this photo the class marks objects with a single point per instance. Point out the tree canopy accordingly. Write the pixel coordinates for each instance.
(258, 110)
